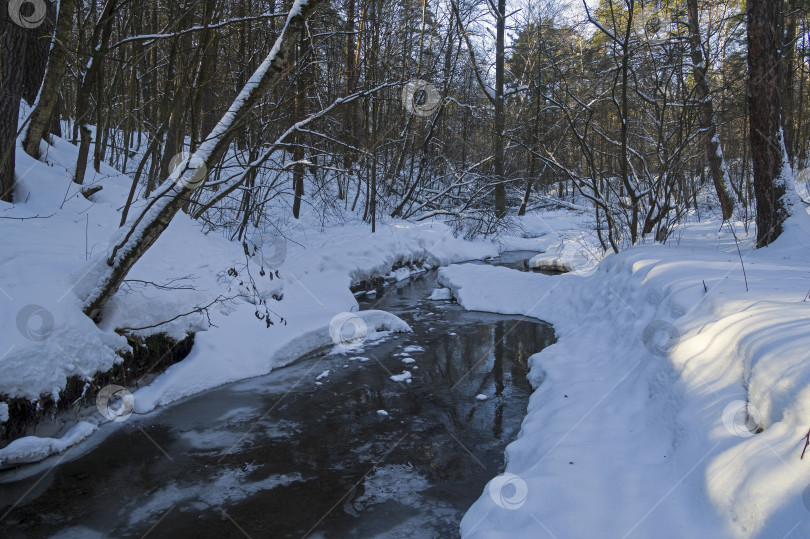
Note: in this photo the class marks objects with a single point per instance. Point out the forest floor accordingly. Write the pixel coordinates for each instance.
(674, 404)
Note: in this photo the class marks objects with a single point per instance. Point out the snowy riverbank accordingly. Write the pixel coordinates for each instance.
(638, 427)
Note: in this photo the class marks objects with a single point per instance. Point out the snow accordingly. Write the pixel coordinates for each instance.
(440, 294)
(404, 377)
(682, 412)
(323, 375)
(481, 397)
(412, 348)
(568, 254)
(382, 413)
(33, 449)
(408, 360)
(553, 263)
(400, 275)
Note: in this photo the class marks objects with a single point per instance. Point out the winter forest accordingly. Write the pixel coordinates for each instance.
(420, 268)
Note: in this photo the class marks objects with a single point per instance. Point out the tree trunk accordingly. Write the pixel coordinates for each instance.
(789, 49)
(774, 186)
(714, 152)
(500, 57)
(101, 35)
(375, 109)
(350, 108)
(534, 142)
(56, 117)
(624, 111)
(13, 41)
(207, 73)
(43, 113)
(300, 106)
(36, 53)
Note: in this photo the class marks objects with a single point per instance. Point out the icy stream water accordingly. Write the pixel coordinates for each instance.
(301, 452)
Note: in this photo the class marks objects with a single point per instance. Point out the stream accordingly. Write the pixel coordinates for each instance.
(302, 452)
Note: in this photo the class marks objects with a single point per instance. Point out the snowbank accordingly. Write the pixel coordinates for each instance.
(674, 403)
(215, 360)
(33, 449)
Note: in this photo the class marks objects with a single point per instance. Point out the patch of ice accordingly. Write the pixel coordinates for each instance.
(230, 486)
(217, 438)
(237, 415)
(404, 377)
(440, 293)
(398, 482)
(79, 532)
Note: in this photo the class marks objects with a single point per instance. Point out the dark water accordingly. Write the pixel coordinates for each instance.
(281, 456)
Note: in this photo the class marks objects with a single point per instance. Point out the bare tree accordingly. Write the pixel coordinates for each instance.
(714, 152)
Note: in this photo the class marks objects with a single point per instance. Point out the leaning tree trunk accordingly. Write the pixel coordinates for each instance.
(774, 185)
(714, 152)
(176, 190)
(41, 116)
